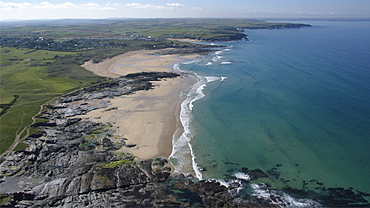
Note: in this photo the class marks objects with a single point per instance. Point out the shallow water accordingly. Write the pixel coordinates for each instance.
(294, 103)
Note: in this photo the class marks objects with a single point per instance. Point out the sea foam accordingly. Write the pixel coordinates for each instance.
(184, 160)
(182, 156)
(281, 199)
(278, 198)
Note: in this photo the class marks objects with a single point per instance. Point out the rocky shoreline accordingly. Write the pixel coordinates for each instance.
(72, 162)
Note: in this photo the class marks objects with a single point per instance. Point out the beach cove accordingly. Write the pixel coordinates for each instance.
(148, 119)
(255, 122)
(240, 129)
(74, 160)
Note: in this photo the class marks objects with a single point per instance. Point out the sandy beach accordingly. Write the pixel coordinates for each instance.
(147, 119)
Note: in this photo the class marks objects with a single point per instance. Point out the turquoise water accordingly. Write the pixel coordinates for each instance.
(295, 102)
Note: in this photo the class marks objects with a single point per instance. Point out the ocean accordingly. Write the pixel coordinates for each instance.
(292, 103)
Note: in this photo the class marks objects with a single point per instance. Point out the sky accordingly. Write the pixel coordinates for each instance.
(99, 9)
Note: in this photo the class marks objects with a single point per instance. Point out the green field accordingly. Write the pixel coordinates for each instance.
(27, 73)
(29, 76)
(37, 76)
(210, 29)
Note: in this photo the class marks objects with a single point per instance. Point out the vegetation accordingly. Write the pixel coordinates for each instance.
(41, 60)
(124, 160)
(4, 199)
(207, 29)
(35, 77)
(21, 147)
(118, 163)
(5, 107)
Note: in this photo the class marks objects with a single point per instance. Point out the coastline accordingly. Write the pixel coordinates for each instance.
(147, 119)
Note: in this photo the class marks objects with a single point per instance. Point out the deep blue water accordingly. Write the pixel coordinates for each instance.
(295, 102)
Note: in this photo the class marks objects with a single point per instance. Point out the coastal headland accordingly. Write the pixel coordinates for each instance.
(106, 145)
(101, 137)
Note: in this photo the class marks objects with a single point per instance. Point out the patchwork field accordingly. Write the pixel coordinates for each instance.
(41, 59)
(25, 74)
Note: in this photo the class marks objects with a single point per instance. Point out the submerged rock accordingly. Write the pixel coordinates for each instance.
(72, 163)
(254, 174)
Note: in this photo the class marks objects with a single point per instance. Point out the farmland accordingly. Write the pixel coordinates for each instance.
(41, 60)
(27, 75)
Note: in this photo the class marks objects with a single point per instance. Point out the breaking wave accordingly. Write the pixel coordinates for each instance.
(241, 181)
(182, 156)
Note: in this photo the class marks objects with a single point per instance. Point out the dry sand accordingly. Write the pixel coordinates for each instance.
(146, 118)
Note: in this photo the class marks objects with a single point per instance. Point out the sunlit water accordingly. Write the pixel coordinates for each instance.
(294, 103)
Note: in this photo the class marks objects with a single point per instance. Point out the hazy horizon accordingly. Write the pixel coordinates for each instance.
(98, 9)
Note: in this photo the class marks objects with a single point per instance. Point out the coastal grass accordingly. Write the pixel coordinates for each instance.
(33, 75)
(4, 199)
(15, 120)
(118, 163)
(20, 147)
(37, 76)
(211, 29)
(124, 160)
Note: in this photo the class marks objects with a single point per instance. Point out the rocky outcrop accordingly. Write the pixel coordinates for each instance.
(72, 162)
(72, 156)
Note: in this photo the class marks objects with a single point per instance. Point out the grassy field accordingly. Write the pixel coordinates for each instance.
(37, 76)
(30, 77)
(162, 28)
(27, 73)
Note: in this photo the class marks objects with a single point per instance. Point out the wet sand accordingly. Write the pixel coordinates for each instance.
(147, 119)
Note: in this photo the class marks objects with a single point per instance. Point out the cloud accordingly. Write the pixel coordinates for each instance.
(308, 13)
(152, 6)
(313, 13)
(198, 9)
(48, 5)
(144, 6)
(174, 5)
(11, 5)
(112, 4)
(94, 6)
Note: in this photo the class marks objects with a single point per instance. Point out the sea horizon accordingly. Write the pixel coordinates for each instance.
(291, 103)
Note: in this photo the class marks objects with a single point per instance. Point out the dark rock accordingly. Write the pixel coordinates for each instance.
(130, 145)
(231, 163)
(209, 187)
(254, 174)
(82, 126)
(37, 134)
(67, 169)
(209, 194)
(72, 121)
(274, 172)
(107, 143)
(52, 124)
(104, 179)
